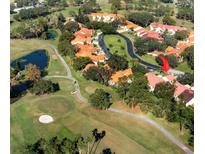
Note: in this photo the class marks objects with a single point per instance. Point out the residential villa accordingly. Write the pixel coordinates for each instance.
(115, 78)
(160, 28)
(182, 91)
(88, 50)
(128, 26)
(83, 36)
(179, 49)
(105, 17)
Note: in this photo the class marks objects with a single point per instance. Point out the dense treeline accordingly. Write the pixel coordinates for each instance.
(186, 9)
(31, 13)
(189, 56)
(32, 29)
(22, 3)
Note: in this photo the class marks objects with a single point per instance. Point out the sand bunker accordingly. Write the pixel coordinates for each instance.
(45, 119)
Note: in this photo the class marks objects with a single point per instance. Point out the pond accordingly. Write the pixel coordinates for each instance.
(38, 57)
(52, 34)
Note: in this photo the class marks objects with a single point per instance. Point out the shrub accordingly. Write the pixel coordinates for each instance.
(100, 99)
(44, 87)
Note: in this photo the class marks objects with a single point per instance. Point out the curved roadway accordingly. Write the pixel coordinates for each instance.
(130, 50)
(136, 116)
(133, 53)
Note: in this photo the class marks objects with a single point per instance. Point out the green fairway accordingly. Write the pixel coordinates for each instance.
(123, 134)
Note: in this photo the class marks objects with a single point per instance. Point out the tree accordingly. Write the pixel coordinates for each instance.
(189, 56)
(144, 46)
(123, 88)
(170, 41)
(80, 62)
(78, 2)
(138, 70)
(107, 151)
(115, 5)
(186, 78)
(31, 13)
(161, 107)
(164, 90)
(61, 18)
(141, 18)
(168, 20)
(186, 13)
(55, 3)
(181, 35)
(89, 7)
(117, 62)
(98, 73)
(44, 87)
(163, 11)
(72, 26)
(108, 28)
(66, 48)
(172, 60)
(32, 72)
(100, 99)
(137, 91)
(22, 3)
(66, 36)
(167, 1)
(84, 19)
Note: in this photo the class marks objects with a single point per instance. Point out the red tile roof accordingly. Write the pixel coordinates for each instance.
(117, 75)
(166, 27)
(153, 79)
(183, 91)
(153, 35)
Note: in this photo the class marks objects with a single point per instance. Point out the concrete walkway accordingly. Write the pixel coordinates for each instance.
(136, 116)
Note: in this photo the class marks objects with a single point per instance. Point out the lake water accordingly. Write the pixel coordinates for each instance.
(39, 58)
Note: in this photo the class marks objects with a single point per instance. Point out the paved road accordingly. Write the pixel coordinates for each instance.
(136, 116)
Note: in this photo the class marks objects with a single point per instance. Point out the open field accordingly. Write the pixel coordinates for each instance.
(72, 117)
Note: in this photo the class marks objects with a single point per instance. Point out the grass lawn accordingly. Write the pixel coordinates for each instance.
(184, 67)
(130, 35)
(123, 134)
(149, 59)
(117, 45)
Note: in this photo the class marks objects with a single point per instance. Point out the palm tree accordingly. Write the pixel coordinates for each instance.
(100, 137)
(94, 134)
